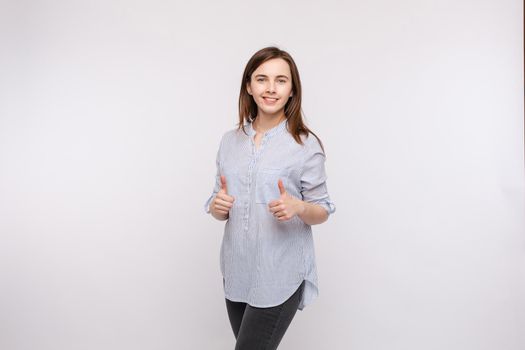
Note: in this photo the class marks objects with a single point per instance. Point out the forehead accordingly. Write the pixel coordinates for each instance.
(272, 67)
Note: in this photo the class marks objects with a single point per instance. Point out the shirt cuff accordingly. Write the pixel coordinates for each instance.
(329, 206)
(207, 204)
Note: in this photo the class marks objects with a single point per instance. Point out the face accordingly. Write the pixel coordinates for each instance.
(271, 86)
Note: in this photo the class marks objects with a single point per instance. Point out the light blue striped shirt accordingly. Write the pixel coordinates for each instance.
(263, 261)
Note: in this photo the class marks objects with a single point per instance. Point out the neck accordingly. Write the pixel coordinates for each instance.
(263, 122)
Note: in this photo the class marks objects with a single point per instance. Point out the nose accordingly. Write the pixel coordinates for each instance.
(271, 87)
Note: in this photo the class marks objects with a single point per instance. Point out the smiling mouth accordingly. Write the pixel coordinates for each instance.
(270, 99)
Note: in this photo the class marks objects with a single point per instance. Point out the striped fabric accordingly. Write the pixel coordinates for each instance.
(263, 260)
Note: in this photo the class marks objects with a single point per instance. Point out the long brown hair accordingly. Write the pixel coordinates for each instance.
(292, 109)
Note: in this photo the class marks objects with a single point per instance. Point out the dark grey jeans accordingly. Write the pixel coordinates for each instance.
(262, 328)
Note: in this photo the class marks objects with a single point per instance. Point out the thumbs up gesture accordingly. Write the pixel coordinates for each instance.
(222, 203)
(286, 206)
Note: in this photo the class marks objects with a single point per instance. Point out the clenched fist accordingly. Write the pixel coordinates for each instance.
(287, 206)
(222, 203)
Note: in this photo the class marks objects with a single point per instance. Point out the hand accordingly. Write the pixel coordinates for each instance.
(286, 206)
(222, 203)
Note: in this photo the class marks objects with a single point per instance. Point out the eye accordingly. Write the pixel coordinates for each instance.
(260, 79)
(282, 81)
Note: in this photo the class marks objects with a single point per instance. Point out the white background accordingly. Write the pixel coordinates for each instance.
(111, 113)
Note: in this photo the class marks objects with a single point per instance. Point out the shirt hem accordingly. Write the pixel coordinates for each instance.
(300, 307)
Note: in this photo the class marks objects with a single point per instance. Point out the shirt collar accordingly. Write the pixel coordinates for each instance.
(278, 128)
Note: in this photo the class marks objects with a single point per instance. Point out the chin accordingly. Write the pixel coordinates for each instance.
(271, 111)
(270, 108)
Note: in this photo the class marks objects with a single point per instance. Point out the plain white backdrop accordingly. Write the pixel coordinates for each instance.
(111, 113)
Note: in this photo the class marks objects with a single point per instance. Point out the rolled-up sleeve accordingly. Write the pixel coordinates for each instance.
(217, 185)
(313, 177)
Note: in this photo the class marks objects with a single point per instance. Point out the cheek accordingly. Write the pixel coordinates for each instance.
(286, 91)
(258, 89)
(285, 99)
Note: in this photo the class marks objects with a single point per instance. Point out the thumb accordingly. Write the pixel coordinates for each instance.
(281, 187)
(223, 184)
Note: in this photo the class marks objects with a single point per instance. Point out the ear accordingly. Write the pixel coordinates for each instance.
(248, 88)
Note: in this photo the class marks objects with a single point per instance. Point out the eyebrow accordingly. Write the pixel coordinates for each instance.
(279, 76)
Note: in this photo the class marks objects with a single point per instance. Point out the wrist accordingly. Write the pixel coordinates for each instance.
(302, 207)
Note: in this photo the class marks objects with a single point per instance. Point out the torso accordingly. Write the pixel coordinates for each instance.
(258, 252)
(257, 140)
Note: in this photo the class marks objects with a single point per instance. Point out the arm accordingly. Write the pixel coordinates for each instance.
(209, 205)
(316, 205)
(312, 214)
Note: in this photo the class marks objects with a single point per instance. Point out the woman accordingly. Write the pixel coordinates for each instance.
(270, 187)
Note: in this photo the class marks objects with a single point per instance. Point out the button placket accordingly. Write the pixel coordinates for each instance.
(250, 171)
(256, 153)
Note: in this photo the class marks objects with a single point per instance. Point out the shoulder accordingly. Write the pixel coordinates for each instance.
(311, 143)
(229, 135)
(231, 139)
